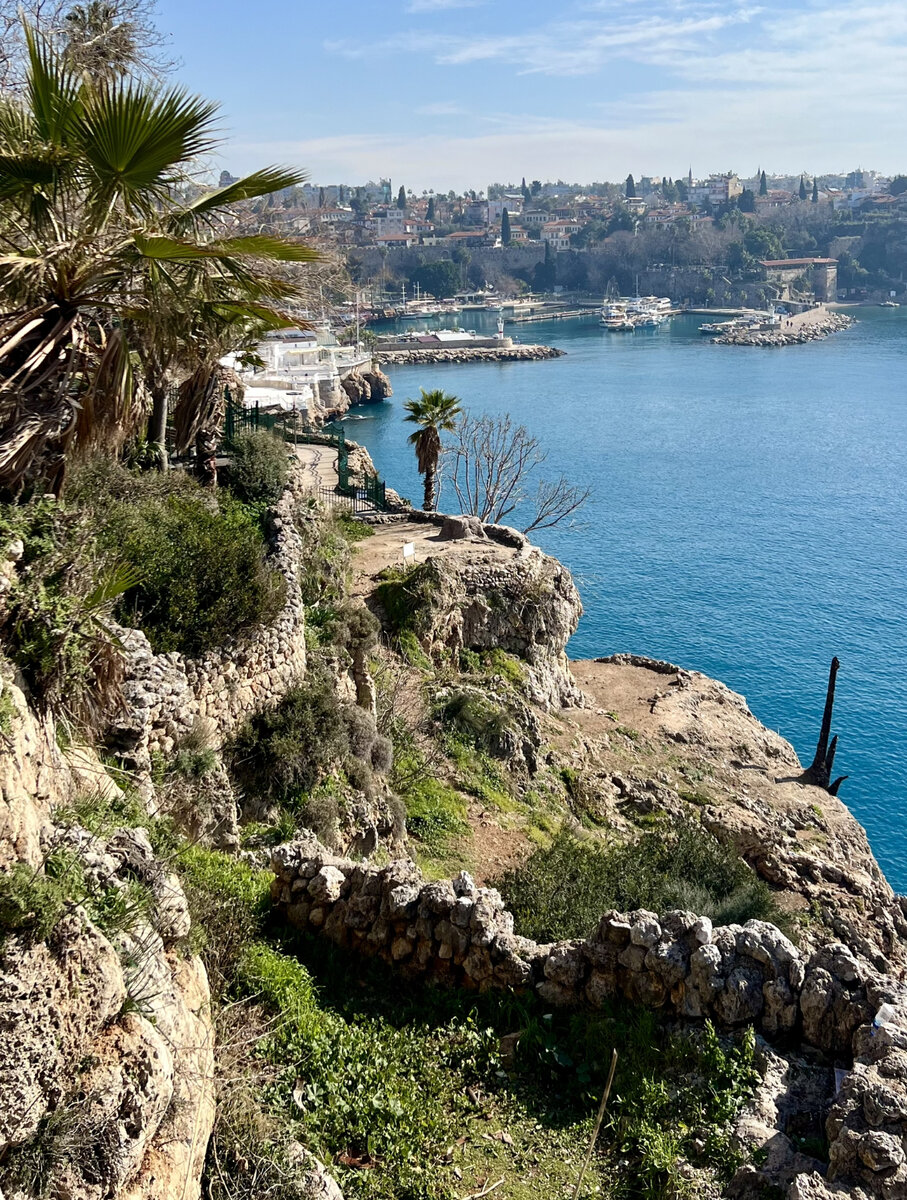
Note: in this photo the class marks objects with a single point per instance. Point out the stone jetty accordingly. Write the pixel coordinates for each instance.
(808, 327)
(469, 354)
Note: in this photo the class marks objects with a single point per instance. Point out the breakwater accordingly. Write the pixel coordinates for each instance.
(808, 327)
(469, 354)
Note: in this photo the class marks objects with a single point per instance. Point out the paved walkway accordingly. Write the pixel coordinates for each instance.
(319, 465)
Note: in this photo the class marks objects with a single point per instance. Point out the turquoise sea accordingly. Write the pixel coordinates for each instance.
(748, 517)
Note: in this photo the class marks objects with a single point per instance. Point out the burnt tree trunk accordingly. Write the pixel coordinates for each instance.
(819, 772)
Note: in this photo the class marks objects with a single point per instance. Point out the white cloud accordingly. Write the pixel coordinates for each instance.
(441, 109)
(567, 48)
(820, 88)
(425, 6)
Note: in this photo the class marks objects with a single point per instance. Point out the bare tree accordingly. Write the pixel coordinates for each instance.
(106, 38)
(495, 464)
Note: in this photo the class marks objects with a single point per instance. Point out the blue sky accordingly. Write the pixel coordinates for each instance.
(459, 93)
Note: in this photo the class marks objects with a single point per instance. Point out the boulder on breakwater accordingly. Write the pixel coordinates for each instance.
(825, 324)
(467, 354)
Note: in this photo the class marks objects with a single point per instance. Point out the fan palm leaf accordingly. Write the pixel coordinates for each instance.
(435, 412)
(101, 262)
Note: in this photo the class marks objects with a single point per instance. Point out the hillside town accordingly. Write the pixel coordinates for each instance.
(723, 239)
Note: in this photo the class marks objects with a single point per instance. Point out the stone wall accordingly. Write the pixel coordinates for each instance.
(456, 934)
(168, 694)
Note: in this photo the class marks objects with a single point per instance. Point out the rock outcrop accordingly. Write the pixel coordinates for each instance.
(106, 1045)
(367, 387)
(492, 589)
(754, 795)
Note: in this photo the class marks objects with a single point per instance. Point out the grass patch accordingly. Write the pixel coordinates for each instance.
(408, 595)
(562, 890)
(33, 900)
(435, 812)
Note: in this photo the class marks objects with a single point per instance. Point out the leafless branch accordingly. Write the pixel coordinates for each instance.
(493, 464)
(555, 502)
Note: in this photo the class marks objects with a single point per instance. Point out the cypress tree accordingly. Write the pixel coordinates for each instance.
(815, 196)
(505, 228)
(430, 213)
(401, 198)
(763, 185)
(630, 190)
(526, 194)
(802, 189)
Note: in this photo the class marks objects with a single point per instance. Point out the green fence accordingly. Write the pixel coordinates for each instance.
(240, 419)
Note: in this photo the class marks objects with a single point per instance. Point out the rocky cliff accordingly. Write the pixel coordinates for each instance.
(106, 1046)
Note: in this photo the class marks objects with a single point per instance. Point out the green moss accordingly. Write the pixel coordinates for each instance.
(695, 796)
(8, 713)
(407, 596)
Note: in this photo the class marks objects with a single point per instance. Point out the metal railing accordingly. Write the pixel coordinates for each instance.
(293, 427)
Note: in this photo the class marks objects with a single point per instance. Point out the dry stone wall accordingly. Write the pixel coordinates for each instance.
(457, 934)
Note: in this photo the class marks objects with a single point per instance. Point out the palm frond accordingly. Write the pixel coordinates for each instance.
(261, 245)
(54, 92)
(134, 139)
(22, 173)
(260, 183)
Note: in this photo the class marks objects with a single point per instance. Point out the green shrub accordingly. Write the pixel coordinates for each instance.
(33, 901)
(30, 902)
(259, 466)
(290, 748)
(327, 557)
(195, 755)
(561, 891)
(202, 571)
(408, 596)
(479, 721)
(55, 625)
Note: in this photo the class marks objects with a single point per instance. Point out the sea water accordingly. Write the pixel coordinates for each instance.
(747, 517)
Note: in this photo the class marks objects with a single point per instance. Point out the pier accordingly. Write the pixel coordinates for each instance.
(564, 315)
(501, 354)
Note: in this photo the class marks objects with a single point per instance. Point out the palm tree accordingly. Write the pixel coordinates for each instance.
(105, 266)
(436, 413)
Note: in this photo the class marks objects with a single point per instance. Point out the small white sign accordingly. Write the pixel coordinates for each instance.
(409, 550)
